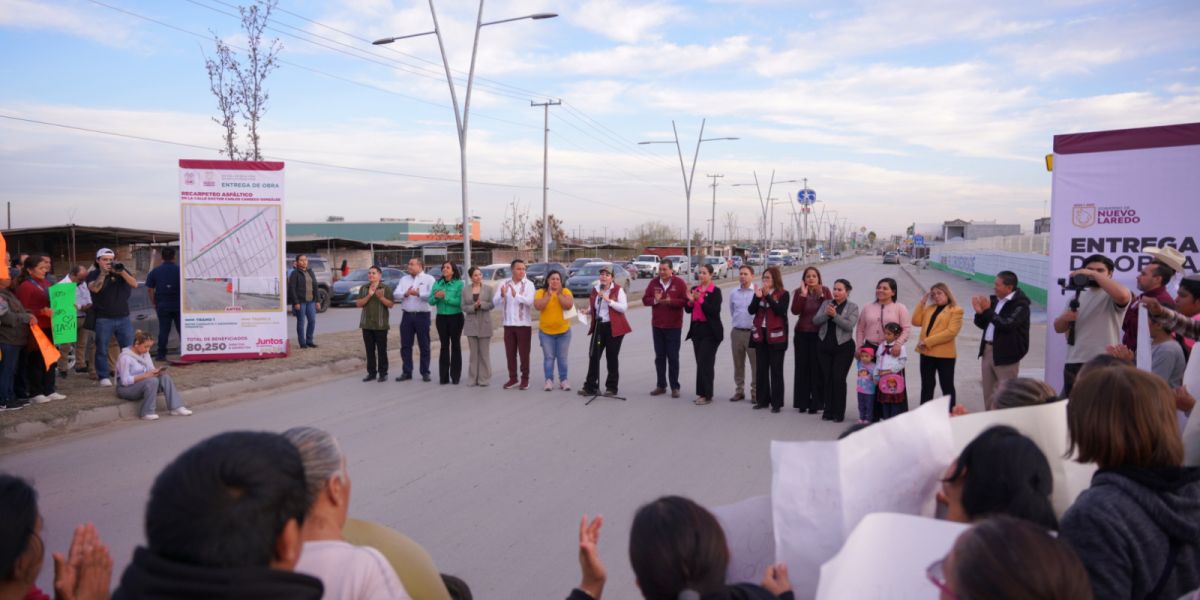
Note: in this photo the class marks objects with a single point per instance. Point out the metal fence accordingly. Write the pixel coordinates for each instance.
(1038, 243)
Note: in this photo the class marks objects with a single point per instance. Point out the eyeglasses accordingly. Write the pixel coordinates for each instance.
(937, 576)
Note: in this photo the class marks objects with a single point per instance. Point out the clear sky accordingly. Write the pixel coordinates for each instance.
(894, 111)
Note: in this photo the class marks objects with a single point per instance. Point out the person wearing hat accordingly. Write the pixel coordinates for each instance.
(1152, 281)
(1097, 318)
(110, 284)
(607, 304)
(1186, 322)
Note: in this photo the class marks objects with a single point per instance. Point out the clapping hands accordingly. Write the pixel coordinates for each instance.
(830, 310)
(86, 571)
(594, 574)
(980, 303)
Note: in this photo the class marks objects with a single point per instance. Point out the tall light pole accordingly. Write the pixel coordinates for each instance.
(462, 115)
(687, 177)
(545, 174)
(764, 202)
(712, 227)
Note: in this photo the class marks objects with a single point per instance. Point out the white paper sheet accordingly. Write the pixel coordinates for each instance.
(1143, 357)
(1191, 431)
(751, 538)
(886, 557)
(583, 318)
(821, 490)
(1046, 425)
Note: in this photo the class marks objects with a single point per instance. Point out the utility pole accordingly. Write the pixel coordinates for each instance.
(712, 227)
(545, 174)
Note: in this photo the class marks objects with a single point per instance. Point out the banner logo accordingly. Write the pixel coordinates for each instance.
(189, 177)
(1083, 215)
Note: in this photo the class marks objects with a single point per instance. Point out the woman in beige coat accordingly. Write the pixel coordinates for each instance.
(477, 308)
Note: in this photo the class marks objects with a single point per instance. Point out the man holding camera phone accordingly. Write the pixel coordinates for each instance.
(1094, 324)
(110, 284)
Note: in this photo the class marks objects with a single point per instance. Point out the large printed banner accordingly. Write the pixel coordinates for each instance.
(232, 247)
(1115, 193)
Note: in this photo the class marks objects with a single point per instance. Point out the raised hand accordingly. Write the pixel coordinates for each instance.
(86, 572)
(830, 310)
(1152, 306)
(1122, 352)
(776, 581)
(594, 574)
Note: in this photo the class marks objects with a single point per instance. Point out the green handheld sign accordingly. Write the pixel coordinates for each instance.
(62, 302)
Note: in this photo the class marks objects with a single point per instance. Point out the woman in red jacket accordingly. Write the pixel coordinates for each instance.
(33, 290)
(806, 301)
(770, 338)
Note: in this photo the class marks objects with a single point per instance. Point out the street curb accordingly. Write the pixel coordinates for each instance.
(227, 390)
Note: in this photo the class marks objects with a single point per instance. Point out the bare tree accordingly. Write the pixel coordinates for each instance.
(652, 233)
(239, 87)
(439, 231)
(228, 93)
(731, 227)
(557, 234)
(516, 223)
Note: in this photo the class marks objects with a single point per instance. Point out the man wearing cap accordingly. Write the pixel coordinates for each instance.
(110, 284)
(665, 295)
(607, 305)
(1152, 281)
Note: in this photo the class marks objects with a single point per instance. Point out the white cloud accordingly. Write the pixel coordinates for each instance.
(655, 59)
(66, 18)
(623, 20)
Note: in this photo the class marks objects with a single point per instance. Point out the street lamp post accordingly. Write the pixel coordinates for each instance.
(767, 210)
(461, 116)
(687, 178)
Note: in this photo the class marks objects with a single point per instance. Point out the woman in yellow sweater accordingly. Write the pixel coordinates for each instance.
(940, 319)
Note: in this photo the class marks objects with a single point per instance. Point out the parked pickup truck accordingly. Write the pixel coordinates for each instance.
(647, 265)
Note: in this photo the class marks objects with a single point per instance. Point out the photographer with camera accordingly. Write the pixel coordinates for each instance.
(1092, 320)
(110, 284)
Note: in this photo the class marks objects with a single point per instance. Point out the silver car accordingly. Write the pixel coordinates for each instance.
(582, 282)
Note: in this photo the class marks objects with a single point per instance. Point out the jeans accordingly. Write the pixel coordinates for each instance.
(866, 407)
(122, 327)
(554, 348)
(304, 331)
(146, 391)
(8, 372)
(166, 317)
(414, 324)
(666, 356)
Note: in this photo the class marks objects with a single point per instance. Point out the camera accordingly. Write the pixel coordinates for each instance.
(1077, 283)
(118, 267)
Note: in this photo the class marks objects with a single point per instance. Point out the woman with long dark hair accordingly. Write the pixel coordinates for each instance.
(835, 350)
(446, 297)
(769, 338)
(1001, 472)
(806, 302)
(33, 289)
(705, 331)
(869, 331)
(477, 312)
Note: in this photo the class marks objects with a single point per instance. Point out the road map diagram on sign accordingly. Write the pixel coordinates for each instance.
(232, 241)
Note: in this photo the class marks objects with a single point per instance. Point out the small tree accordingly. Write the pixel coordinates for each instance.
(516, 223)
(731, 226)
(871, 238)
(239, 88)
(557, 234)
(439, 231)
(652, 233)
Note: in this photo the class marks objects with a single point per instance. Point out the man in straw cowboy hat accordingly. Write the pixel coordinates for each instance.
(1152, 282)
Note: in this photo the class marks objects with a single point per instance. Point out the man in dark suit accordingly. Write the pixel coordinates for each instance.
(1004, 319)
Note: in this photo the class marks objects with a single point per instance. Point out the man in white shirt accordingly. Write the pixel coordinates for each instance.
(515, 298)
(743, 322)
(413, 293)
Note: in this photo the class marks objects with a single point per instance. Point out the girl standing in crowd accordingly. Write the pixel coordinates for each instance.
(1137, 528)
(139, 379)
(477, 310)
(885, 309)
(446, 297)
(33, 289)
(806, 302)
(865, 385)
(891, 391)
(705, 331)
(769, 338)
(940, 318)
(14, 336)
(554, 330)
(375, 300)
(835, 329)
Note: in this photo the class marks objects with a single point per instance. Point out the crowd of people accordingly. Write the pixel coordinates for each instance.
(263, 515)
(107, 348)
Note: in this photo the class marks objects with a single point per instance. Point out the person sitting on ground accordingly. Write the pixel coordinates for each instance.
(223, 521)
(139, 379)
(1002, 558)
(83, 574)
(349, 572)
(1137, 528)
(678, 550)
(1001, 472)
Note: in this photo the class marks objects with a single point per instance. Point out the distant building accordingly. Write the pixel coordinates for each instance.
(68, 245)
(1042, 225)
(383, 230)
(974, 230)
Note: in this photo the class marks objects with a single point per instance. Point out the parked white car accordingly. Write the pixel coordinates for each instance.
(647, 265)
(680, 263)
(720, 266)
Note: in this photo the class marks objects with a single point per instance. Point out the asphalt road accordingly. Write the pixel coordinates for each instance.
(491, 483)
